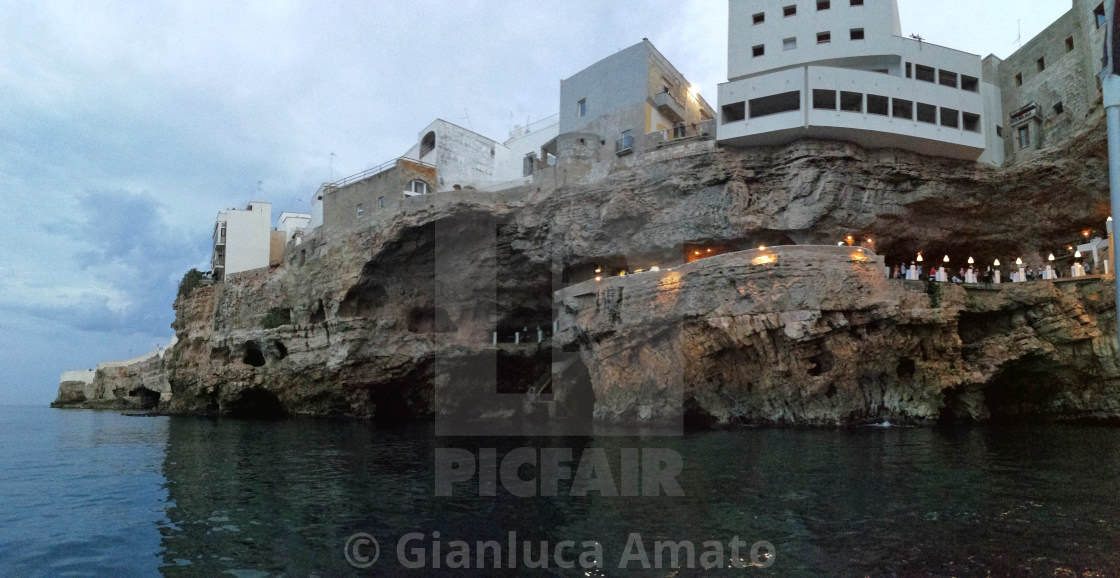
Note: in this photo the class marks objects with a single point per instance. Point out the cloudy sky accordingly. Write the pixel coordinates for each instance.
(126, 126)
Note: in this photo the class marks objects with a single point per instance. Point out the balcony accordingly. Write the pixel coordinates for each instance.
(624, 145)
(1031, 111)
(669, 106)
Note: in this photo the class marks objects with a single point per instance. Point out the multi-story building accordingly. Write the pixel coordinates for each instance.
(1051, 83)
(351, 203)
(840, 69)
(292, 223)
(242, 239)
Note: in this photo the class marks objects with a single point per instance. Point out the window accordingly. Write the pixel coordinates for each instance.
(1041, 64)
(970, 83)
(1024, 136)
(878, 104)
(789, 10)
(789, 44)
(759, 18)
(1019, 79)
(581, 107)
(971, 121)
(380, 202)
(428, 143)
(950, 117)
(1098, 14)
(360, 211)
(1069, 44)
(927, 113)
(924, 73)
(851, 101)
(856, 33)
(1058, 108)
(902, 108)
(824, 37)
(908, 73)
(527, 164)
(946, 78)
(823, 4)
(999, 131)
(734, 112)
(417, 186)
(857, 2)
(775, 104)
(758, 50)
(824, 99)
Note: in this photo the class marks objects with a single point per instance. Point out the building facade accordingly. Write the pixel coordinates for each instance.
(350, 204)
(1050, 84)
(242, 240)
(292, 223)
(840, 69)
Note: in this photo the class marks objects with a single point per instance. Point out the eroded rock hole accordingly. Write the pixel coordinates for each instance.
(905, 369)
(430, 320)
(319, 315)
(256, 403)
(253, 354)
(823, 363)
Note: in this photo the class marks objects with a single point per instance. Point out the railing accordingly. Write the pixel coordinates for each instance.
(1027, 112)
(370, 172)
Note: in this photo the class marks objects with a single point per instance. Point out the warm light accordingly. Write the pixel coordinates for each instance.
(1077, 254)
(996, 263)
(655, 268)
(946, 259)
(623, 273)
(858, 255)
(970, 261)
(693, 90)
(869, 240)
(840, 244)
(598, 278)
(638, 270)
(919, 257)
(1051, 257)
(709, 250)
(1019, 261)
(698, 252)
(1069, 247)
(762, 247)
(1085, 233)
(598, 269)
(764, 259)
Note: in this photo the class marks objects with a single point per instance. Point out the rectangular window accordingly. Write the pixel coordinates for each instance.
(970, 83)
(380, 202)
(824, 37)
(734, 112)
(851, 101)
(1024, 136)
(878, 104)
(824, 99)
(999, 131)
(924, 73)
(856, 33)
(775, 104)
(1019, 79)
(1098, 14)
(950, 117)
(908, 73)
(789, 44)
(823, 4)
(1058, 108)
(360, 211)
(857, 2)
(759, 18)
(1069, 44)
(1041, 64)
(758, 50)
(971, 121)
(927, 113)
(581, 107)
(946, 78)
(902, 108)
(789, 10)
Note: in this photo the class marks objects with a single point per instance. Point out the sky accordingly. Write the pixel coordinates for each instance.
(126, 126)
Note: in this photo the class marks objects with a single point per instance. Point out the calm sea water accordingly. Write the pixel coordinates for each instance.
(97, 493)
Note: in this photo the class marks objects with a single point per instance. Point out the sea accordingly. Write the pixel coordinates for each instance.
(98, 493)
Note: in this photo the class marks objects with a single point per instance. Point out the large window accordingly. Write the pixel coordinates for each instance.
(824, 99)
(1024, 136)
(902, 108)
(927, 113)
(923, 73)
(428, 143)
(581, 107)
(775, 104)
(970, 83)
(734, 112)
(971, 121)
(950, 117)
(851, 101)
(946, 78)
(878, 104)
(417, 186)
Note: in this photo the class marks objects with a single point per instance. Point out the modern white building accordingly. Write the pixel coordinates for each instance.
(241, 239)
(841, 69)
(290, 223)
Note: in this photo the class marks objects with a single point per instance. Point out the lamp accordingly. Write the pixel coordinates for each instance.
(996, 263)
(919, 257)
(1019, 261)
(762, 247)
(970, 261)
(1051, 257)
(840, 244)
(1077, 254)
(946, 259)
(655, 268)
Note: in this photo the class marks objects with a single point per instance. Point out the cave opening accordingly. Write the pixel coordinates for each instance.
(319, 315)
(256, 403)
(147, 398)
(430, 319)
(279, 349)
(253, 354)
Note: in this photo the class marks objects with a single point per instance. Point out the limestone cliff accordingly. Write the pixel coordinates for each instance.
(393, 322)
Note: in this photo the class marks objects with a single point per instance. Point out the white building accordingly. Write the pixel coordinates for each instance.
(241, 239)
(840, 69)
(290, 223)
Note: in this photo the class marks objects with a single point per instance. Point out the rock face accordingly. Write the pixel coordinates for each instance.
(818, 335)
(398, 320)
(138, 383)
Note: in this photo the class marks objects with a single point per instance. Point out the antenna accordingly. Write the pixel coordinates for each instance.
(259, 185)
(919, 38)
(467, 117)
(332, 167)
(1019, 37)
